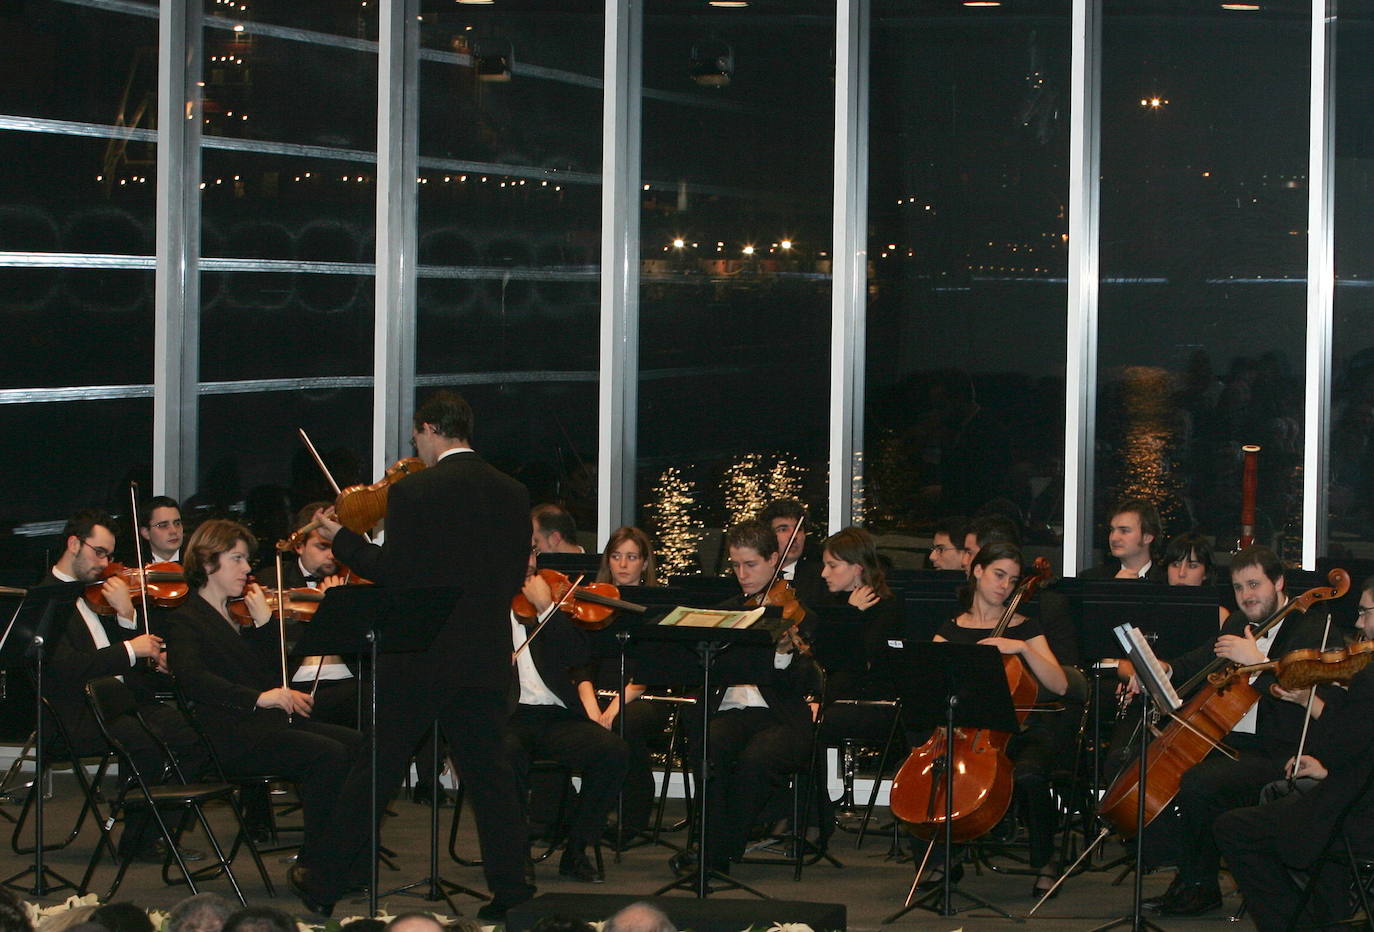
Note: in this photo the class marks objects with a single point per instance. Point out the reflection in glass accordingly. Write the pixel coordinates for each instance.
(735, 226)
(1203, 258)
(968, 187)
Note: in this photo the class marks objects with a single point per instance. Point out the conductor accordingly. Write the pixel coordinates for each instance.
(459, 522)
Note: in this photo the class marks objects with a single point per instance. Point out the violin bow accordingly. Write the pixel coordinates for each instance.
(544, 619)
(138, 558)
(1292, 775)
(281, 629)
(777, 570)
(319, 461)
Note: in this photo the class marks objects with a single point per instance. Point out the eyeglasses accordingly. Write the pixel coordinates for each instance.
(1362, 610)
(941, 548)
(100, 552)
(164, 525)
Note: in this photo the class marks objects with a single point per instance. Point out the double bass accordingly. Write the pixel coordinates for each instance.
(1199, 725)
(982, 770)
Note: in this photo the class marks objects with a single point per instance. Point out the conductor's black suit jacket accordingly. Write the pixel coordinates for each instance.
(461, 523)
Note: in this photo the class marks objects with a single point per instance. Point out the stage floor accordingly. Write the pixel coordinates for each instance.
(869, 884)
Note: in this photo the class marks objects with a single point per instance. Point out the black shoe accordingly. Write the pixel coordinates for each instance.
(683, 863)
(1193, 900)
(1154, 904)
(495, 910)
(299, 879)
(935, 877)
(575, 864)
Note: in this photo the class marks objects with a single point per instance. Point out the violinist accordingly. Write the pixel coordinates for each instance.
(233, 677)
(554, 530)
(558, 717)
(800, 568)
(159, 523)
(758, 733)
(628, 560)
(1264, 844)
(328, 679)
(462, 523)
(93, 646)
(1034, 752)
(1264, 738)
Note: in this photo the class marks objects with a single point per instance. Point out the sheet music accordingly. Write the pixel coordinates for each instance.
(1148, 670)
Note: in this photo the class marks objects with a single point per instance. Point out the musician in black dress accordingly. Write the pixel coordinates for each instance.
(232, 675)
(1036, 750)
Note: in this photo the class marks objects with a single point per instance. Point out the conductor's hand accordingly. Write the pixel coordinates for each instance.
(1241, 650)
(116, 592)
(290, 701)
(256, 599)
(537, 590)
(863, 598)
(328, 523)
(146, 645)
(1307, 766)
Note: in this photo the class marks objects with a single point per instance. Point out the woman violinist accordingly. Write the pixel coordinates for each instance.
(993, 575)
(234, 680)
(628, 560)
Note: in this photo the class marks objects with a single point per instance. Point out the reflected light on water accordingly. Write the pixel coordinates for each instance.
(678, 532)
(1150, 436)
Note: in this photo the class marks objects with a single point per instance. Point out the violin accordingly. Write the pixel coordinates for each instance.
(1300, 669)
(301, 604)
(781, 594)
(165, 581)
(360, 507)
(590, 605)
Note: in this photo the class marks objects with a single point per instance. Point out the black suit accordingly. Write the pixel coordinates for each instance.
(1218, 783)
(336, 701)
(751, 750)
(565, 733)
(458, 523)
(74, 662)
(222, 670)
(1108, 570)
(1261, 843)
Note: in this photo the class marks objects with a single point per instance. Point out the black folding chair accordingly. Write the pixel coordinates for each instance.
(108, 699)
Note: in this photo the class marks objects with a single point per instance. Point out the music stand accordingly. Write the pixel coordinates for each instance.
(376, 620)
(750, 662)
(953, 685)
(33, 629)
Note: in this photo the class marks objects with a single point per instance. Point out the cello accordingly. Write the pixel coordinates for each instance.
(982, 770)
(1199, 725)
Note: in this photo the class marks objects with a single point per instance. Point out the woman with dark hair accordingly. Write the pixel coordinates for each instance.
(861, 604)
(993, 574)
(1188, 561)
(233, 679)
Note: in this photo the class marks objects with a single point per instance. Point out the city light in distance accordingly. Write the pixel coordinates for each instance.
(1241, 7)
(982, 2)
(679, 242)
(785, 244)
(1154, 103)
(729, 4)
(748, 250)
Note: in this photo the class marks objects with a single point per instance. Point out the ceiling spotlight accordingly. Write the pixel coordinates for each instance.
(712, 63)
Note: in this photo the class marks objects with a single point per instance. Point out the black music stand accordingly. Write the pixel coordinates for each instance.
(953, 685)
(376, 620)
(28, 639)
(751, 661)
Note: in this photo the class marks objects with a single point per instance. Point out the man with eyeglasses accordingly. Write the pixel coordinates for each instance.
(159, 523)
(92, 646)
(945, 554)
